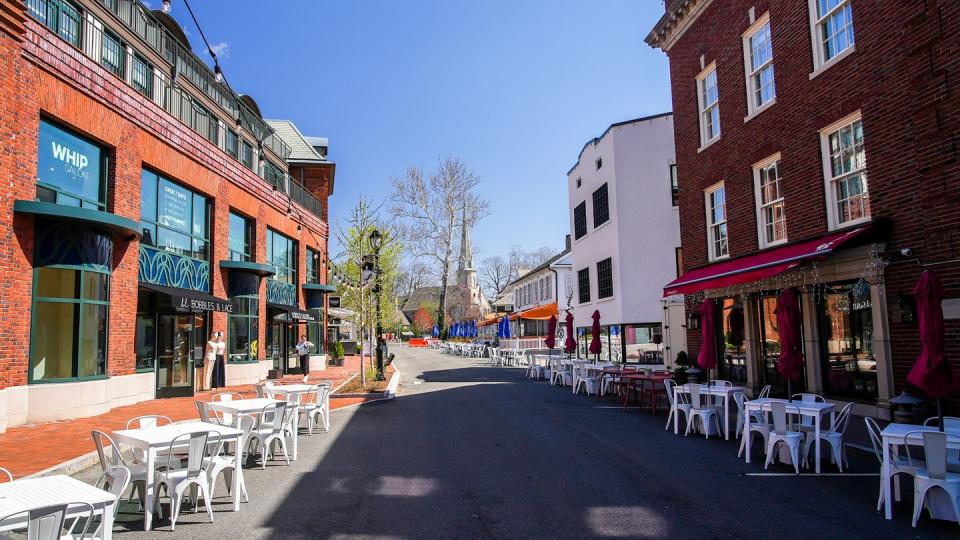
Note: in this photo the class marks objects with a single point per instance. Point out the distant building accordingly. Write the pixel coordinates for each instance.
(626, 239)
(538, 294)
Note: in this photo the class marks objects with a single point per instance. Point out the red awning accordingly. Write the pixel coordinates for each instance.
(539, 313)
(758, 266)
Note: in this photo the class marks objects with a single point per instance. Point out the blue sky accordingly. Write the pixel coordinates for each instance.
(515, 88)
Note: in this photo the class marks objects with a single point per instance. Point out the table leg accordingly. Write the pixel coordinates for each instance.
(237, 473)
(816, 431)
(885, 479)
(107, 519)
(149, 489)
(676, 413)
(746, 432)
(726, 414)
(296, 430)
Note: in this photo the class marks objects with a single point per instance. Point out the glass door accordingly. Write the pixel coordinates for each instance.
(174, 355)
(769, 347)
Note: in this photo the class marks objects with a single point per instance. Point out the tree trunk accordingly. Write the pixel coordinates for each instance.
(442, 303)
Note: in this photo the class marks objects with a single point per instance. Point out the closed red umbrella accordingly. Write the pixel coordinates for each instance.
(571, 343)
(595, 346)
(932, 372)
(551, 340)
(707, 358)
(791, 352)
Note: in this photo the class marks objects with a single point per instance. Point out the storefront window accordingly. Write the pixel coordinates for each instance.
(173, 218)
(282, 254)
(70, 169)
(313, 266)
(244, 329)
(770, 348)
(70, 313)
(315, 331)
(241, 237)
(733, 357)
(846, 340)
(643, 343)
(608, 334)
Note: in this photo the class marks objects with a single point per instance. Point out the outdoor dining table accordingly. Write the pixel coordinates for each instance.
(896, 435)
(726, 392)
(31, 493)
(631, 378)
(813, 409)
(250, 407)
(153, 440)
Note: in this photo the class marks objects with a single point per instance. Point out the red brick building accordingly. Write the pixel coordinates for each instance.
(817, 149)
(143, 207)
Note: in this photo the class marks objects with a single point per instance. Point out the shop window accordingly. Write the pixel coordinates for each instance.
(769, 335)
(315, 331)
(241, 238)
(173, 218)
(244, 329)
(282, 254)
(313, 267)
(70, 314)
(643, 343)
(733, 355)
(849, 368)
(71, 170)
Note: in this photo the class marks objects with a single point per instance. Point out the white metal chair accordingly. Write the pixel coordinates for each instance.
(225, 463)
(934, 473)
(720, 383)
(177, 476)
(898, 464)
(699, 411)
(590, 382)
(148, 421)
(783, 434)
(764, 392)
(315, 406)
(208, 414)
(6, 473)
(676, 407)
(138, 471)
(834, 437)
(114, 480)
(47, 522)
(807, 397)
(756, 426)
(269, 430)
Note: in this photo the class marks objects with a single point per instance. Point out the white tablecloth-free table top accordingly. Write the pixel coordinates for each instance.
(813, 409)
(291, 388)
(895, 435)
(723, 391)
(30, 493)
(155, 439)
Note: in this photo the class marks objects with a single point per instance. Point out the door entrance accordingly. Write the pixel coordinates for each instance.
(281, 345)
(175, 338)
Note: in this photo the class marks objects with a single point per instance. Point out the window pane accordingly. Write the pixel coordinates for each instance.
(96, 286)
(175, 242)
(113, 55)
(69, 163)
(93, 341)
(148, 195)
(175, 206)
(53, 340)
(199, 249)
(240, 338)
(199, 216)
(149, 231)
(146, 341)
(56, 283)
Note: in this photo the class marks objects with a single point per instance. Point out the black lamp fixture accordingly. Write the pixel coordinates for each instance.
(166, 6)
(217, 72)
(375, 239)
(908, 308)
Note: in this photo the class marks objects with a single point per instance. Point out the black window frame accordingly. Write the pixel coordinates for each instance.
(601, 205)
(52, 15)
(232, 149)
(248, 240)
(282, 269)
(605, 278)
(312, 266)
(580, 221)
(246, 154)
(120, 69)
(145, 89)
(599, 163)
(674, 185)
(583, 285)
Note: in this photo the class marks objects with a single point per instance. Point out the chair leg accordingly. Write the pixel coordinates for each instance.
(918, 499)
(771, 450)
(880, 498)
(795, 456)
(669, 419)
(206, 499)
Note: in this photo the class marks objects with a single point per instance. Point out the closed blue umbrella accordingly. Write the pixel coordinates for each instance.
(436, 331)
(505, 323)
(473, 328)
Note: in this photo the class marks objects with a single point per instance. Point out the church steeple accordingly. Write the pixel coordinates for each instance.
(466, 250)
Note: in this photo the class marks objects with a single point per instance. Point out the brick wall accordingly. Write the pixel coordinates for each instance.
(45, 75)
(902, 77)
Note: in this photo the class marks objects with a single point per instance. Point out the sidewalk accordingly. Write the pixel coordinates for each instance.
(32, 448)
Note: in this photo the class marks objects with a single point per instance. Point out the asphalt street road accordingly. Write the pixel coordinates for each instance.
(473, 451)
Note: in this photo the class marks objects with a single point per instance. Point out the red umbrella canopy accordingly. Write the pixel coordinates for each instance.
(931, 372)
(707, 358)
(571, 344)
(551, 340)
(595, 346)
(788, 321)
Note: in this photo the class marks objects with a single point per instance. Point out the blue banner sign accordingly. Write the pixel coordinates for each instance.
(69, 163)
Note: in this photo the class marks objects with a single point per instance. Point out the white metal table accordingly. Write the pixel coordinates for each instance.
(157, 439)
(896, 435)
(726, 392)
(250, 407)
(813, 409)
(27, 494)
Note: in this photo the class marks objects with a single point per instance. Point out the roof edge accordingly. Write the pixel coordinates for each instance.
(595, 140)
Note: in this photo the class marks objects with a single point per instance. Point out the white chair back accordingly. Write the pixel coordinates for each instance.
(842, 420)
(6, 473)
(934, 451)
(764, 392)
(47, 522)
(115, 458)
(695, 396)
(115, 480)
(197, 450)
(809, 398)
(148, 421)
(669, 384)
(779, 412)
(951, 422)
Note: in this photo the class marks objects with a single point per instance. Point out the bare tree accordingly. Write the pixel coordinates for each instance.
(430, 210)
(495, 274)
(412, 275)
(520, 260)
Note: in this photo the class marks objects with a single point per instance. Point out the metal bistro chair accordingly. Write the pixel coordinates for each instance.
(834, 436)
(934, 473)
(6, 473)
(676, 406)
(270, 429)
(898, 464)
(177, 477)
(757, 424)
(138, 471)
(208, 414)
(705, 413)
(782, 433)
(47, 522)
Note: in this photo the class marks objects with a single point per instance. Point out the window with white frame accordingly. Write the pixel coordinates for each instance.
(758, 60)
(831, 28)
(708, 97)
(845, 171)
(771, 217)
(716, 201)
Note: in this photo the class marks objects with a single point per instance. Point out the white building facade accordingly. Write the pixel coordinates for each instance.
(626, 241)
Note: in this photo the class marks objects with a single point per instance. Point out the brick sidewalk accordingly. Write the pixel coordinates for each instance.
(32, 448)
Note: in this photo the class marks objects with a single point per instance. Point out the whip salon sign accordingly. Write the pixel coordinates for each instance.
(69, 163)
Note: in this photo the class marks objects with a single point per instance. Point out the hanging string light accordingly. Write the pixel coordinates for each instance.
(166, 6)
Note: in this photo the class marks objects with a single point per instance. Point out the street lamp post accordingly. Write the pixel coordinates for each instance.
(375, 240)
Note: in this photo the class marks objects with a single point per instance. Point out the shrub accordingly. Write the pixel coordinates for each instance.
(336, 350)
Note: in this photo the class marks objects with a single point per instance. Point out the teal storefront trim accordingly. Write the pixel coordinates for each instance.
(319, 287)
(281, 293)
(171, 270)
(119, 226)
(252, 267)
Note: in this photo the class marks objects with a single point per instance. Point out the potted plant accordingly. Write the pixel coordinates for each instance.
(336, 354)
(680, 371)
